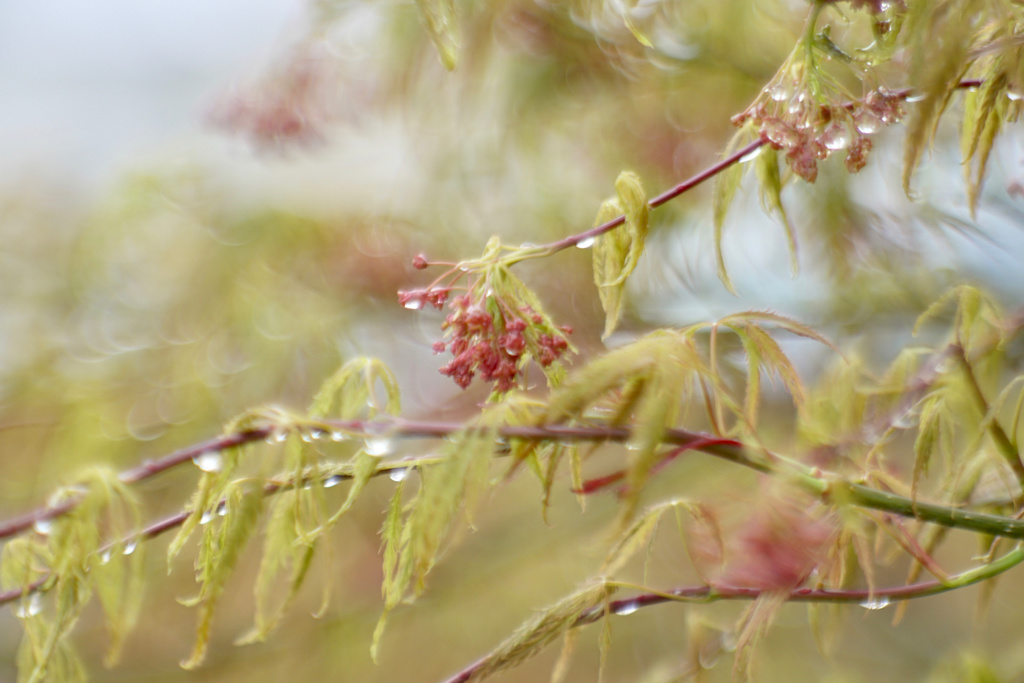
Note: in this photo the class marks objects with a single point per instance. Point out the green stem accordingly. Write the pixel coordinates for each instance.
(995, 430)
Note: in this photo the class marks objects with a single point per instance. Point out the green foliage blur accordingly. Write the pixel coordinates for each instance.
(193, 289)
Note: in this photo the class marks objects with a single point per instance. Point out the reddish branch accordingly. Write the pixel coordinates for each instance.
(879, 597)
(706, 174)
(146, 470)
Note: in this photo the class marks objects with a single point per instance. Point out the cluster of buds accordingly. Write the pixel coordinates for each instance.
(493, 346)
(789, 118)
(490, 332)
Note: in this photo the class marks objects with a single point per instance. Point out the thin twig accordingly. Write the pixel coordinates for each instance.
(875, 599)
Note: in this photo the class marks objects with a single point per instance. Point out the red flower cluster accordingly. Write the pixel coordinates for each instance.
(810, 133)
(492, 347)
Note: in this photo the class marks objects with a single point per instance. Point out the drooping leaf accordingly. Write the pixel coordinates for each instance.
(221, 546)
(440, 18)
(353, 388)
(396, 574)
(752, 627)
(617, 252)
(723, 191)
(651, 376)
(627, 18)
(940, 34)
(766, 165)
(535, 635)
(641, 532)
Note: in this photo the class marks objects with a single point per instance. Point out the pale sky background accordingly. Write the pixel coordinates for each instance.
(91, 89)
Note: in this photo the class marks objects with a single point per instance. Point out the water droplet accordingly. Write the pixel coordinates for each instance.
(626, 608)
(880, 602)
(209, 462)
(780, 134)
(378, 445)
(414, 304)
(905, 421)
(29, 607)
(279, 437)
(207, 516)
(222, 511)
(779, 92)
(916, 97)
(867, 122)
(835, 137)
(1014, 95)
(398, 474)
(105, 556)
(750, 156)
(332, 481)
(42, 526)
(130, 547)
(586, 243)
(708, 656)
(338, 436)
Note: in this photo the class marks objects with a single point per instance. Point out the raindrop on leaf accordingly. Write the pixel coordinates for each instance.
(380, 445)
(209, 462)
(29, 607)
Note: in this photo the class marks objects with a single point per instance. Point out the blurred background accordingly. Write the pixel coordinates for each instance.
(209, 206)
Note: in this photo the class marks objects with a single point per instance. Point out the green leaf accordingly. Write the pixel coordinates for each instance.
(723, 191)
(396, 574)
(535, 635)
(223, 539)
(440, 18)
(752, 627)
(354, 389)
(934, 434)
(639, 534)
(617, 252)
(940, 36)
(766, 165)
(627, 18)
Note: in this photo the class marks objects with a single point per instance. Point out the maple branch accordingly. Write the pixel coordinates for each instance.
(871, 599)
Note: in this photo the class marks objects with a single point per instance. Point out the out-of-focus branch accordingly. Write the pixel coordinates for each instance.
(872, 599)
(146, 470)
(826, 485)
